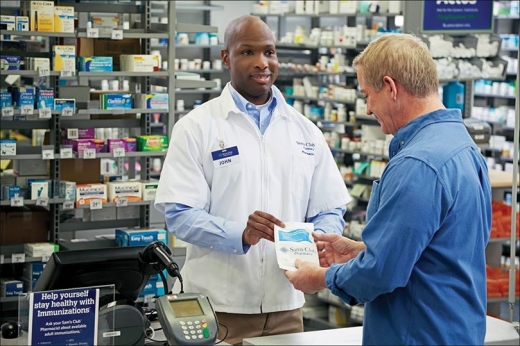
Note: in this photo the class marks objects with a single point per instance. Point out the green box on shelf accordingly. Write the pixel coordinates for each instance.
(152, 143)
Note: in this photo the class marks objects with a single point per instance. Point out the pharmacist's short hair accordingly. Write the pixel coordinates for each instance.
(405, 58)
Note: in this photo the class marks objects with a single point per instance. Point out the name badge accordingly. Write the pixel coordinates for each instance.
(225, 157)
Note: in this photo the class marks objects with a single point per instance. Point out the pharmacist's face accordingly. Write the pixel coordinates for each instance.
(379, 104)
(252, 61)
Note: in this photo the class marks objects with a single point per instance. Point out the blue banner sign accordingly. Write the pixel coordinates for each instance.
(458, 15)
(64, 317)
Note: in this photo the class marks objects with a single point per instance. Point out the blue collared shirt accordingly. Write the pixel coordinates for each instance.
(261, 115)
(422, 276)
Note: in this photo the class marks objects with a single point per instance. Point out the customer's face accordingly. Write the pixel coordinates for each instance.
(252, 61)
(379, 104)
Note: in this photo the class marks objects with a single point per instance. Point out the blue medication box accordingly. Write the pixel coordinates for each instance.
(45, 99)
(116, 101)
(139, 237)
(96, 64)
(6, 99)
(11, 191)
(9, 62)
(10, 287)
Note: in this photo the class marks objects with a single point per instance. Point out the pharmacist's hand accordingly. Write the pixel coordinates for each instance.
(334, 248)
(259, 226)
(308, 277)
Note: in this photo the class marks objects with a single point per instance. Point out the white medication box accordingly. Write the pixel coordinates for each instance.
(64, 58)
(64, 19)
(149, 190)
(139, 63)
(129, 189)
(40, 249)
(40, 13)
(85, 193)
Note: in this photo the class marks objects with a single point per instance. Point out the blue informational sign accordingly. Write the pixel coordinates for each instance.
(458, 16)
(64, 317)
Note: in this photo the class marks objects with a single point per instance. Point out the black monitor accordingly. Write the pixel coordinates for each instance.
(122, 267)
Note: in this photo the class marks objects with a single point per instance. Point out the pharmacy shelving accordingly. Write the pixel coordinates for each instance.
(137, 118)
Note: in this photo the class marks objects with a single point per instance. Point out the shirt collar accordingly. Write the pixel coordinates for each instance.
(242, 103)
(405, 134)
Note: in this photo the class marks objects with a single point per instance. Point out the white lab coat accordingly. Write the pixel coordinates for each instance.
(288, 172)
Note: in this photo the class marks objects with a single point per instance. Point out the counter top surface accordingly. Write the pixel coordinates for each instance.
(498, 332)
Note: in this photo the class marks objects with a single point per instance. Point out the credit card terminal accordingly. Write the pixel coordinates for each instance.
(187, 319)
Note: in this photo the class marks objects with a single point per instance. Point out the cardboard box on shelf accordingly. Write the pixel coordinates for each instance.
(23, 225)
(81, 171)
(108, 47)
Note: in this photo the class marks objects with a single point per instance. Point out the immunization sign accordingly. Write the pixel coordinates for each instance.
(64, 317)
(458, 15)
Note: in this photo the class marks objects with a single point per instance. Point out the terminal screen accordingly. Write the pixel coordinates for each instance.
(186, 308)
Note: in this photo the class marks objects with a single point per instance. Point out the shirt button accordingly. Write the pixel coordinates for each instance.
(211, 247)
(235, 250)
(402, 142)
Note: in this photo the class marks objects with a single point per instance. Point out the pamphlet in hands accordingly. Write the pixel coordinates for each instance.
(293, 242)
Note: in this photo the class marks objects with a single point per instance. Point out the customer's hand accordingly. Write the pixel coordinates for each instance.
(334, 248)
(260, 225)
(308, 277)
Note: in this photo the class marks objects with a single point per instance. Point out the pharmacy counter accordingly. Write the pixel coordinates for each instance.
(499, 332)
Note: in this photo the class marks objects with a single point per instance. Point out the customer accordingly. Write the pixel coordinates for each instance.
(421, 268)
(238, 165)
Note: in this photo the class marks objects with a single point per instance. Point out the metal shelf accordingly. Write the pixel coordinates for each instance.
(135, 33)
(24, 124)
(22, 157)
(37, 33)
(189, 7)
(104, 8)
(196, 91)
(340, 15)
(113, 205)
(86, 123)
(120, 111)
(191, 84)
(129, 154)
(85, 226)
(495, 95)
(220, 45)
(194, 28)
(306, 98)
(124, 74)
(34, 201)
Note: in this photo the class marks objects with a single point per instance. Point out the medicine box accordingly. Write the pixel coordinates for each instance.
(40, 249)
(23, 97)
(9, 62)
(10, 287)
(7, 22)
(40, 13)
(153, 288)
(139, 237)
(45, 99)
(86, 133)
(38, 189)
(64, 58)
(85, 193)
(59, 104)
(96, 64)
(22, 23)
(149, 190)
(129, 189)
(64, 19)
(8, 147)
(6, 99)
(11, 191)
(36, 64)
(67, 190)
(151, 101)
(139, 63)
(152, 143)
(79, 145)
(105, 23)
(33, 271)
(116, 101)
(128, 144)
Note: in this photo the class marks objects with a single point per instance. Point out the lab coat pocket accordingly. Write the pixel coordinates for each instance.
(301, 175)
(373, 203)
